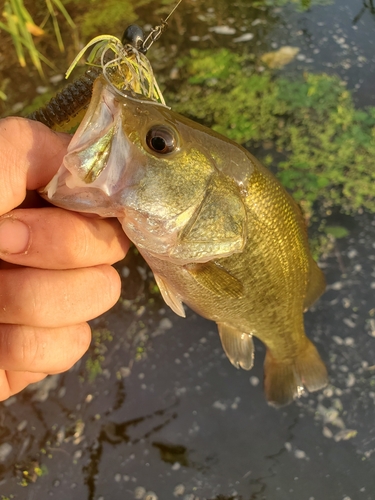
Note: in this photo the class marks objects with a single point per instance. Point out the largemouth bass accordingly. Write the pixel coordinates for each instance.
(215, 226)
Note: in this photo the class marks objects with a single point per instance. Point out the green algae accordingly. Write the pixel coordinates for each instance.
(97, 351)
(96, 17)
(322, 146)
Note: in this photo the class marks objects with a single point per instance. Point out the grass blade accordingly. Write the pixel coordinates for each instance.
(56, 27)
(13, 30)
(65, 13)
(24, 18)
(22, 28)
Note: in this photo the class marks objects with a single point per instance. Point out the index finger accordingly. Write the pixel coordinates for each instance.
(30, 155)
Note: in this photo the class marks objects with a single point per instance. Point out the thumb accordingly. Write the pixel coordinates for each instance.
(30, 154)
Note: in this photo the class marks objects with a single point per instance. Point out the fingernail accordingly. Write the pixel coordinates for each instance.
(14, 236)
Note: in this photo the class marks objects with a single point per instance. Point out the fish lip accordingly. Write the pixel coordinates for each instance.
(133, 96)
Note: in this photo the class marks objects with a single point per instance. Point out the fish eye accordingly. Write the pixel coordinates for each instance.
(161, 139)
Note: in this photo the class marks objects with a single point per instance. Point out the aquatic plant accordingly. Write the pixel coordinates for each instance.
(97, 351)
(95, 16)
(326, 145)
(92, 18)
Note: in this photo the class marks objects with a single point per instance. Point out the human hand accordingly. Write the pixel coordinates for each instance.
(55, 267)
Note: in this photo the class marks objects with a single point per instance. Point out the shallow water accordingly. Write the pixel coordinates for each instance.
(168, 416)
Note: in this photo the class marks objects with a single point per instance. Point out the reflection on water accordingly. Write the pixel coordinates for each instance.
(172, 453)
(367, 5)
(116, 433)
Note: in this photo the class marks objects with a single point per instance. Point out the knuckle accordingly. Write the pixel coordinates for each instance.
(81, 240)
(81, 339)
(70, 241)
(12, 125)
(19, 347)
(100, 240)
(36, 295)
(112, 284)
(118, 243)
(77, 340)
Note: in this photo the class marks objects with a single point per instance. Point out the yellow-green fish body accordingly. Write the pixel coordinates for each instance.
(216, 227)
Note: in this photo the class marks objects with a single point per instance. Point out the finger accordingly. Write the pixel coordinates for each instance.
(31, 154)
(53, 238)
(50, 299)
(42, 350)
(13, 382)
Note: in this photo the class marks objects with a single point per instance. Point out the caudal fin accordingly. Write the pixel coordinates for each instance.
(283, 381)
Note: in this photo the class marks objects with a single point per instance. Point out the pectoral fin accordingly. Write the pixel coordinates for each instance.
(216, 279)
(238, 346)
(169, 296)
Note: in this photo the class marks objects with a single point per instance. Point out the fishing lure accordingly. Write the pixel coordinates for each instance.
(124, 65)
(65, 110)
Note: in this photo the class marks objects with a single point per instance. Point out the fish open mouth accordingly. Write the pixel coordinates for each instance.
(97, 154)
(98, 151)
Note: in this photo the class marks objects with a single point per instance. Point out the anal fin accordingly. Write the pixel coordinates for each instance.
(169, 296)
(238, 346)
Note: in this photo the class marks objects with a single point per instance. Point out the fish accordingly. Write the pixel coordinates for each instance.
(218, 230)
